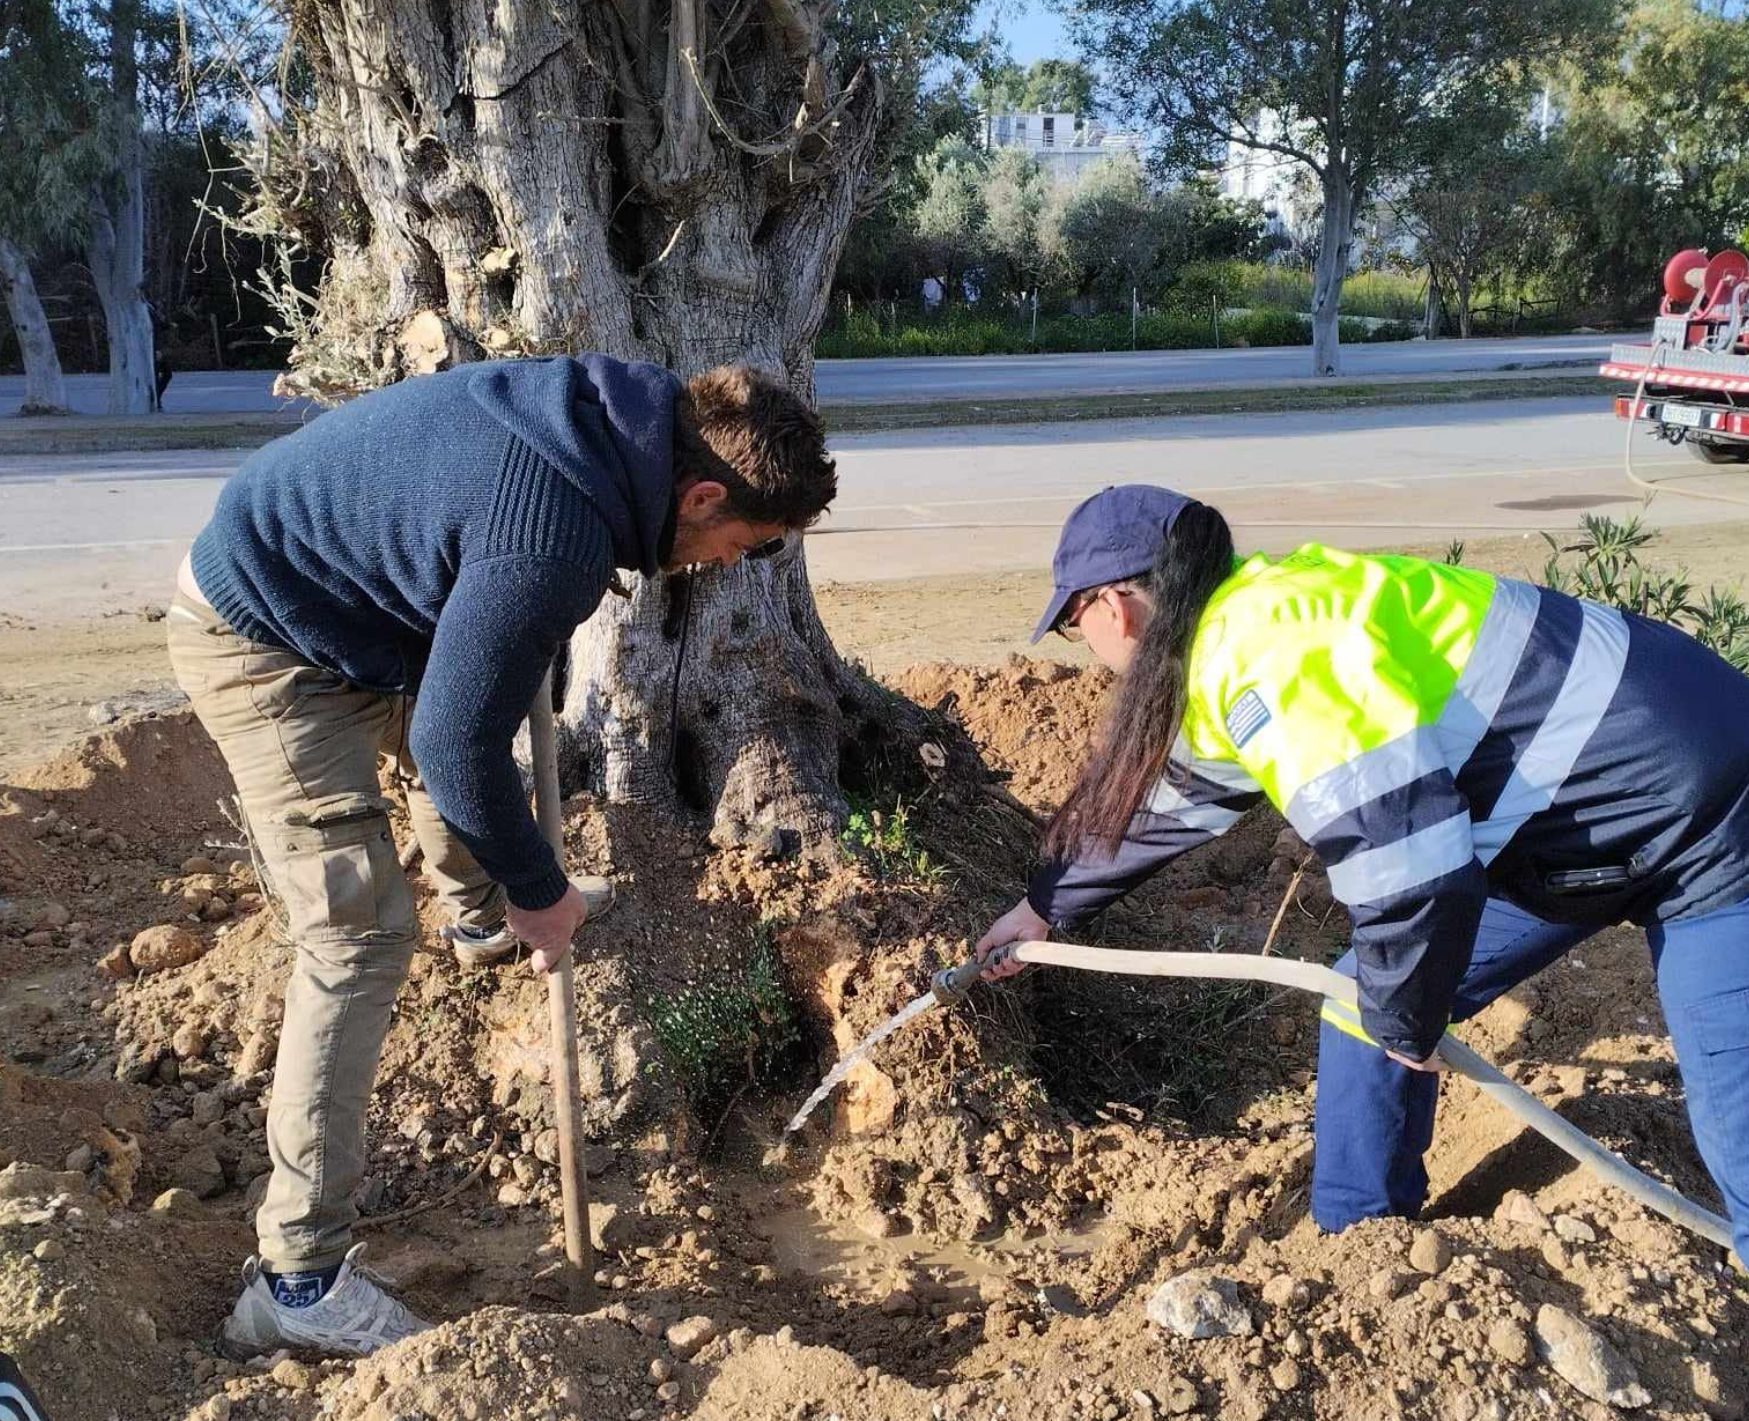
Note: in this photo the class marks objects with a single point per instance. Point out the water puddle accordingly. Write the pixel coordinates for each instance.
(802, 1242)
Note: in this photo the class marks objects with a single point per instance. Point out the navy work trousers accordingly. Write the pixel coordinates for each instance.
(1375, 1117)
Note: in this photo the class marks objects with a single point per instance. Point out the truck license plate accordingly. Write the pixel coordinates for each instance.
(1686, 415)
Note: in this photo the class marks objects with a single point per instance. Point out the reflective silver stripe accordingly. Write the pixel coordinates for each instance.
(1475, 700)
(1405, 864)
(1323, 800)
(1592, 677)
(1210, 817)
(1224, 773)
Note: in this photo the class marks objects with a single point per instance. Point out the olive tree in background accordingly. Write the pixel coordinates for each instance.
(1343, 88)
(669, 180)
(950, 212)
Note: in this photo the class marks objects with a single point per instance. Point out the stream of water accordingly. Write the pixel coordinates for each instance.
(853, 1058)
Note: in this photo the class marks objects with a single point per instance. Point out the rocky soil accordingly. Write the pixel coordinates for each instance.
(1069, 1198)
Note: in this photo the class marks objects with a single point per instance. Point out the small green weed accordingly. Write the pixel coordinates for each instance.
(886, 840)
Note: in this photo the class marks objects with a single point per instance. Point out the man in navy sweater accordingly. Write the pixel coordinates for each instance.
(392, 582)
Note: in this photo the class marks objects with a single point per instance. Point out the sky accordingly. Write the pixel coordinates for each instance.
(1033, 29)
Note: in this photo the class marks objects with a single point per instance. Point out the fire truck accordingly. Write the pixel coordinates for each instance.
(1691, 383)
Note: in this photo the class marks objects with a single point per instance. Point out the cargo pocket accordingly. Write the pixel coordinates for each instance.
(339, 875)
(1721, 1032)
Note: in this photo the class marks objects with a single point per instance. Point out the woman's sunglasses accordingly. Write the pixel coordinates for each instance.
(1067, 624)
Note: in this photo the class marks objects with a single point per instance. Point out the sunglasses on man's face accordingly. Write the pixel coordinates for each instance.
(769, 548)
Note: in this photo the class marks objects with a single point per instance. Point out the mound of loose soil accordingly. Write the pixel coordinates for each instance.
(1032, 719)
(972, 1229)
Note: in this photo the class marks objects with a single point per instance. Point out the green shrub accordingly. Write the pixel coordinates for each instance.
(1381, 295)
(1603, 565)
(720, 1037)
(1266, 327)
(966, 332)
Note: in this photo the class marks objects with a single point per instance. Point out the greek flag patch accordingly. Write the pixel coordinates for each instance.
(1246, 718)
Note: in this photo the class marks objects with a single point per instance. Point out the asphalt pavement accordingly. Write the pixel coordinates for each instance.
(85, 534)
(982, 376)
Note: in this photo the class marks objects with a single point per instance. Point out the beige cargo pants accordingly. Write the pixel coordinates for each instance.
(304, 746)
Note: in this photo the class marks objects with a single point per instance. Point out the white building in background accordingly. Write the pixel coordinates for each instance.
(1065, 144)
(1261, 175)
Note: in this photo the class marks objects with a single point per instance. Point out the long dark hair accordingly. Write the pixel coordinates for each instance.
(1147, 707)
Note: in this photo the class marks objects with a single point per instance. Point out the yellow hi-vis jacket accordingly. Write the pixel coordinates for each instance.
(1438, 736)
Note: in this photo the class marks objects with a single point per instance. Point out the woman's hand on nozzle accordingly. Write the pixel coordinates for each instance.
(1018, 924)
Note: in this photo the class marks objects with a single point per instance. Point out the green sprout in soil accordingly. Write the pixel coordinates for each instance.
(887, 841)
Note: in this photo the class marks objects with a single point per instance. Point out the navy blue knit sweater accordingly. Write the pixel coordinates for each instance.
(446, 535)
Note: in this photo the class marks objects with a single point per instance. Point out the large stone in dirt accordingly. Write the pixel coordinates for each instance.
(610, 1227)
(199, 1172)
(29, 1181)
(258, 1051)
(1585, 1361)
(1517, 1207)
(177, 1204)
(165, 946)
(1430, 1253)
(690, 1335)
(1200, 1304)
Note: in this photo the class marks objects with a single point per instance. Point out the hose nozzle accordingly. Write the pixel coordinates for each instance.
(951, 984)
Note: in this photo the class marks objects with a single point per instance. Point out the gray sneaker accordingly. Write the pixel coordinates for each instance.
(480, 947)
(353, 1318)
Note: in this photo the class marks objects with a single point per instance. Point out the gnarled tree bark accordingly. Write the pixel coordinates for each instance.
(665, 181)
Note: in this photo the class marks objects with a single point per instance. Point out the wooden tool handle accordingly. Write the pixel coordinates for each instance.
(562, 1015)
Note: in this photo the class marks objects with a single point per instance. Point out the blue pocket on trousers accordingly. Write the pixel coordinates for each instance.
(1721, 1023)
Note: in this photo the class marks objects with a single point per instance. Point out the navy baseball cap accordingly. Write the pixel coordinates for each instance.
(1113, 536)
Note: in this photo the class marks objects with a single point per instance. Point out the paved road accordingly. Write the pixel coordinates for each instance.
(973, 377)
(85, 534)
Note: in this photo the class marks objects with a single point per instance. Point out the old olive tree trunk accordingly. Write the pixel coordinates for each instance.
(665, 181)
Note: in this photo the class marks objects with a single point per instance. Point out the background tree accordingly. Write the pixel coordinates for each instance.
(663, 181)
(1651, 153)
(881, 257)
(1017, 194)
(1469, 209)
(949, 215)
(1109, 228)
(1344, 87)
(1055, 85)
(51, 155)
(1059, 86)
(116, 231)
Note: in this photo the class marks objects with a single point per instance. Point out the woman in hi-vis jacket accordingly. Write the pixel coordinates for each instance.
(1489, 771)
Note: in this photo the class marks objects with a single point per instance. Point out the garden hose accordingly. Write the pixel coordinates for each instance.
(952, 984)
